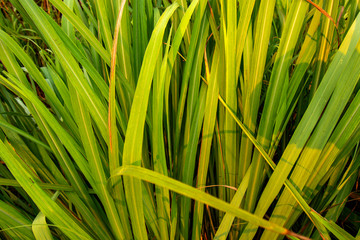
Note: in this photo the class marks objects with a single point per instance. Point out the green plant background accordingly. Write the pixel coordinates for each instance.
(159, 119)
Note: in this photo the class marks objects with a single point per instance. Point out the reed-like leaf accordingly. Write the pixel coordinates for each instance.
(134, 132)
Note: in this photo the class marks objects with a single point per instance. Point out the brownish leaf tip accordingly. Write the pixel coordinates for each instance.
(290, 233)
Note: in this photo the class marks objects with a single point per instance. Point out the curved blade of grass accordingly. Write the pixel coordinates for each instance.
(134, 133)
(191, 192)
(159, 155)
(39, 227)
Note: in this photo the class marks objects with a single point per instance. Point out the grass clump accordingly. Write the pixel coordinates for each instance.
(179, 119)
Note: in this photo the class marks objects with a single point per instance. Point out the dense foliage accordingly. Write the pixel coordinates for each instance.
(202, 119)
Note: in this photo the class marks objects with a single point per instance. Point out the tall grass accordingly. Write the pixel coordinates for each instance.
(203, 119)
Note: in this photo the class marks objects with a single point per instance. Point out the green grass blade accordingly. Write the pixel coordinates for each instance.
(122, 231)
(340, 233)
(24, 134)
(140, 35)
(159, 155)
(187, 70)
(246, 10)
(191, 192)
(93, 156)
(134, 132)
(207, 137)
(230, 149)
(226, 223)
(40, 228)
